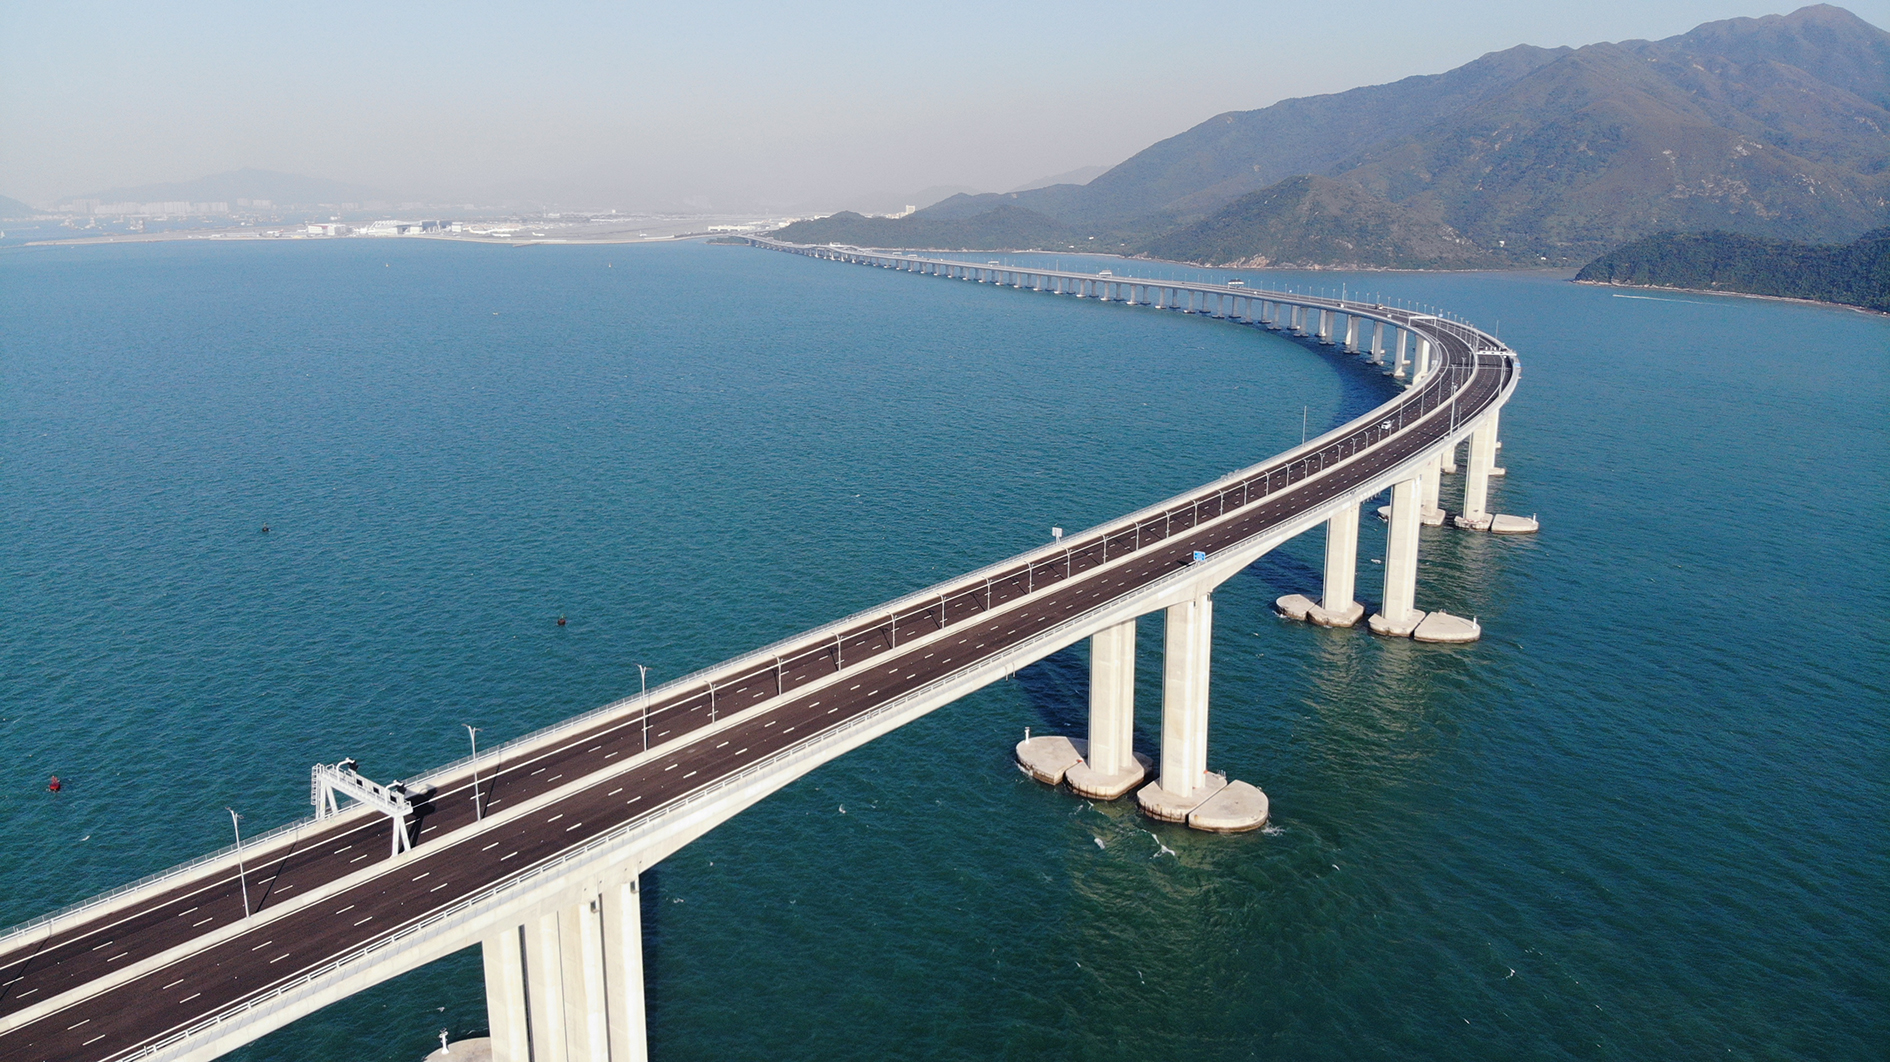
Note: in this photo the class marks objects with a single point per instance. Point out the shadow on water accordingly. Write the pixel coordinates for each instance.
(1057, 689)
(1279, 573)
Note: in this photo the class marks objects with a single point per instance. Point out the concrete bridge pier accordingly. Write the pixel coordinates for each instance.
(1187, 791)
(1397, 615)
(567, 986)
(1351, 333)
(1476, 486)
(1449, 459)
(1433, 475)
(1399, 362)
(1337, 607)
(1110, 767)
(1325, 325)
(1378, 343)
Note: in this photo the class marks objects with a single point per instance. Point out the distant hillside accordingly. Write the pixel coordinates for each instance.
(1319, 221)
(13, 208)
(1775, 126)
(279, 188)
(1006, 228)
(1855, 274)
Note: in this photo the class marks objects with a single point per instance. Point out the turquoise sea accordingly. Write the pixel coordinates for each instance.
(1643, 819)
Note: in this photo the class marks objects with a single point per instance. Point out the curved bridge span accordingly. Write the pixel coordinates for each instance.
(533, 849)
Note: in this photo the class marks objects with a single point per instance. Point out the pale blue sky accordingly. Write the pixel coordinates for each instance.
(714, 104)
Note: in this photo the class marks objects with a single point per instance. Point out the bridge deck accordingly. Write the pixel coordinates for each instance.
(764, 707)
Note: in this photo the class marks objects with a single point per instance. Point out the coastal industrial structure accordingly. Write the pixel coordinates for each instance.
(533, 850)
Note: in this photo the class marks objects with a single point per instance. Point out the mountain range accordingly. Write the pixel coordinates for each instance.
(1775, 127)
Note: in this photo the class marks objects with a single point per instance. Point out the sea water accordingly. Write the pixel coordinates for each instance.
(1643, 818)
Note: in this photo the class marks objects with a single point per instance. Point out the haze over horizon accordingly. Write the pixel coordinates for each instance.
(724, 107)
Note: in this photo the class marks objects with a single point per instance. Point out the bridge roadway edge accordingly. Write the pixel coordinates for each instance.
(641, 849)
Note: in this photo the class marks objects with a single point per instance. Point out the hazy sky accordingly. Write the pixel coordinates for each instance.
(706, 103)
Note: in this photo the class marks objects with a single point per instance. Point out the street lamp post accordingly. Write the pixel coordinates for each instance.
(242, 875)
(643, 680)
(472, 732)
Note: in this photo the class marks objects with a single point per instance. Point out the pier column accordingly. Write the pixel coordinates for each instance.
(1423, 355)
(1110, 767)
(1449, 461)
(1337, 609)
(568, 985)
(1432, 478)
(1351, 333)
(1399, 362)
(1186, 791)
(1378, 342)
(1476, 483)
(506, 1000)
(1397, 614)
(1325, 325)
(1185, 673)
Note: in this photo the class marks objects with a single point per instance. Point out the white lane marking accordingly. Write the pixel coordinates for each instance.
(263, 945)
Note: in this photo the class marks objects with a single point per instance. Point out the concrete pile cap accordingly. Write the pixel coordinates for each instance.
(1442, 627)
(1047, 758)
(1237, 808)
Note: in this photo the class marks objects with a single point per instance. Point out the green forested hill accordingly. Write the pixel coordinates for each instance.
(1855, 274)
(1776, 126)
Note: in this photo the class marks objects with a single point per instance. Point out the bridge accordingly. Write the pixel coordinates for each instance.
(534, 849)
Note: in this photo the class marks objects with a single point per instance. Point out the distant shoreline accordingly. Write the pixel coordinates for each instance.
(226, 236)
(1732, 295)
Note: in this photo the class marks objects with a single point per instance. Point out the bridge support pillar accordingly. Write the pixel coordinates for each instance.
(568, 985)
(1187, 791)
(1450, 459)
(1110, 767)
(1378, 342)
(1432, 477)
(1397, 615)
(1337, 608)
(1476, 483)
(1399, 362)
(1351, 333)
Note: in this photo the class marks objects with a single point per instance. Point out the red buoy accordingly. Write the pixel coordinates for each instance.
(54, 785)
